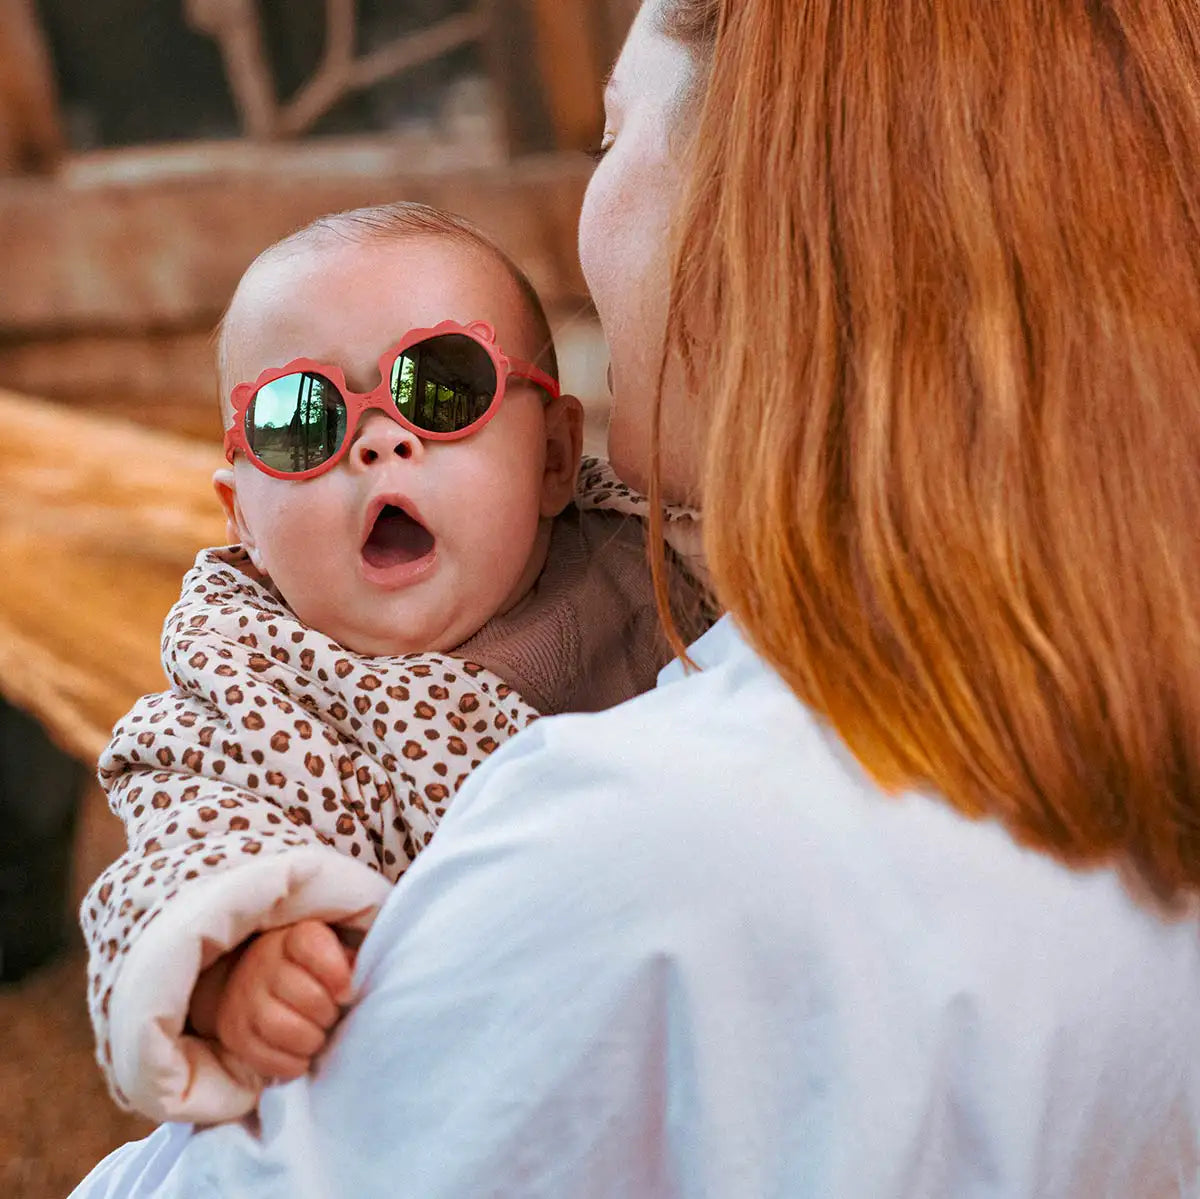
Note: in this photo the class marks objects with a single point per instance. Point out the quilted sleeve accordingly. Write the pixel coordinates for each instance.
(217, 851)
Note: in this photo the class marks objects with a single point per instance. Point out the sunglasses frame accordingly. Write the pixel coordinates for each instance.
(380, 398)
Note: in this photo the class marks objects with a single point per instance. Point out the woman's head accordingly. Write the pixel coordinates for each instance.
(937, 286)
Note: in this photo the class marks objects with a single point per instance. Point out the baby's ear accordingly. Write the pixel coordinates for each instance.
(236, 529)
(564, 448)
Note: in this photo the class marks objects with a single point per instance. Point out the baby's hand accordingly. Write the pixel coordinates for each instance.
(282, 998)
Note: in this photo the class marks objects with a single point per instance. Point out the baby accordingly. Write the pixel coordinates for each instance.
(412, 584)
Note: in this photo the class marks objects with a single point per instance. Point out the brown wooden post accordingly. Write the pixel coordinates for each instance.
(31, 135)
(571, 63)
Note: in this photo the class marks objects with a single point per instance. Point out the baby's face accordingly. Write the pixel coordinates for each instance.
(484, 501)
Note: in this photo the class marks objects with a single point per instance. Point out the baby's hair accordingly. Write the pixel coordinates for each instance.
(393, 222)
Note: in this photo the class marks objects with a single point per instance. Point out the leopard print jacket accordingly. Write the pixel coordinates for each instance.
(280, 778)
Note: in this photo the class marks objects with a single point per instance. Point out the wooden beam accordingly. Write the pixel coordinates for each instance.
(31, 136)
(570, 61)
(133, 242)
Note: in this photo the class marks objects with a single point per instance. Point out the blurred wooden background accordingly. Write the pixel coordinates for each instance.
(119, 253)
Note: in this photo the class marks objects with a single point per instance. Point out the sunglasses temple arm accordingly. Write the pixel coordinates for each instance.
(526, 370)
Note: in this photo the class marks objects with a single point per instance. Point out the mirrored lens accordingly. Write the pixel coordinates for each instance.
(296, 423)
(444, 384)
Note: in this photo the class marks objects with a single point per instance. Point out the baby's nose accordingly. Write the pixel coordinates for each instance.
(379, 438)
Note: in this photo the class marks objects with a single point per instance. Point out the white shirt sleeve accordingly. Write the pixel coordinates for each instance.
(513, 1013)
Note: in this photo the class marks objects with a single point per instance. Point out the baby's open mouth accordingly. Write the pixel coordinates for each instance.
(396, 539)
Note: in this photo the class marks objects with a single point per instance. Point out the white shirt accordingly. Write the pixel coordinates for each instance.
(686, 948)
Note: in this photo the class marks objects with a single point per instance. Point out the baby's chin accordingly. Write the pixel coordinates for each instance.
(425, 638)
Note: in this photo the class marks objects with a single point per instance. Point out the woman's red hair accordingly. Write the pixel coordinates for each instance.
(939, 270)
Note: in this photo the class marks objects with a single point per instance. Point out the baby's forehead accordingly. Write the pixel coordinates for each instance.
(347, 300)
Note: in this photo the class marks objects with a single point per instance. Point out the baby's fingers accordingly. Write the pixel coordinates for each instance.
(279, 1027)
(316, 947)
(306, 994)
(273, 1063)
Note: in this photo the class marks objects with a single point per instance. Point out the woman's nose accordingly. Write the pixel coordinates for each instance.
(380, 439)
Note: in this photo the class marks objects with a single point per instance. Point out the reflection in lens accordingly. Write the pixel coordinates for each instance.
(296, 423)
(444, 384)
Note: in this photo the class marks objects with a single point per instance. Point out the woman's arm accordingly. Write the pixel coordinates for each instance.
(511, 1020)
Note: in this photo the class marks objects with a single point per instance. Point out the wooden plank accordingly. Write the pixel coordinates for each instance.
(125, 244)
(163, 381)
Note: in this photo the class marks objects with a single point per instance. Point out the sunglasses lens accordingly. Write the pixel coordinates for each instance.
(296, 423)
(444, 384)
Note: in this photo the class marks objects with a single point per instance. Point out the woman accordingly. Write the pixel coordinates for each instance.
(897, 896)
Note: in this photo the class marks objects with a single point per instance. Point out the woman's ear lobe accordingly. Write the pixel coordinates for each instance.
(564, 448)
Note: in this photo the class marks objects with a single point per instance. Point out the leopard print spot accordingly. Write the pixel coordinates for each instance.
(398, 692)
(275, 779)
(234, 695)
(345, 824)
(439, 693)
(259, 663)
(239, 824)
(280, 742)
(401, 726)
(422, 671)
(251, 847)
(338, 711)
(414, 751)
(198, 661)
(307, 659)
(161, 800)
(489, 745)
(456, 745)
(214, 859)
(298, 815)
(468, 703)
(105, 893)
(456, 722)
(343, 667)
(165, 756)
(305, 729)
(280, 654)
(205, 735)
(424, 711)
(380, 728)
(362, 705)
(253, 721)
(314, 765)
(145, 740)
(207, 814)
(225, 671)
(437, 792)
